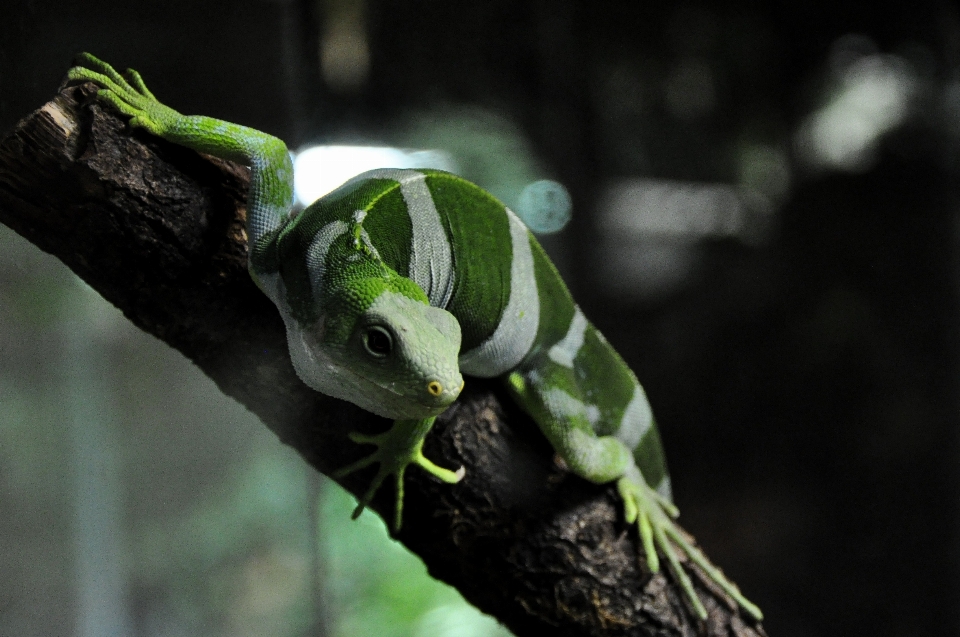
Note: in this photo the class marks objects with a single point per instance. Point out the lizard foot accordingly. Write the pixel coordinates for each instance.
(654, 517)
(127, 93)
(397, 448)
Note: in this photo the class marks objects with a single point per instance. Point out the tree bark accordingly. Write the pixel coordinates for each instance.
(158, 230)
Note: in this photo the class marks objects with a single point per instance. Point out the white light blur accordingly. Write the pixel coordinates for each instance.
(321, 169)
(871, 98)
(664, 208)
(649, 229)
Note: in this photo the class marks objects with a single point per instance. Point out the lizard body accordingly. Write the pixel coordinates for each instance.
(399, 282)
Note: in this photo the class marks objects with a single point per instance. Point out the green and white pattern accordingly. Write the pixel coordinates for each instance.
(398, 282)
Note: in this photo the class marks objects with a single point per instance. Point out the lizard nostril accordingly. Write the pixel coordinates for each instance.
(434, 388)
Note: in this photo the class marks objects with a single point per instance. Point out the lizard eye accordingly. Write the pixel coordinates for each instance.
(378, 342)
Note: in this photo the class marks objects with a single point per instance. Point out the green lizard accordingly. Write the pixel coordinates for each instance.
(398, 282)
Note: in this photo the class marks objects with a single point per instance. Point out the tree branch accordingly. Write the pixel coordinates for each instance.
(158, 231)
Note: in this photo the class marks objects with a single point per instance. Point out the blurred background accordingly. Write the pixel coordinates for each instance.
(764, 223)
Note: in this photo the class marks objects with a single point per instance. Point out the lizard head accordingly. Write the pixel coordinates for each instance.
(395, 356)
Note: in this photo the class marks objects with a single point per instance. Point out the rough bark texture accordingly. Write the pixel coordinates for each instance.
(158, 231)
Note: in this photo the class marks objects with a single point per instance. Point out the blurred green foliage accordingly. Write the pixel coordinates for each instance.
(380, 588)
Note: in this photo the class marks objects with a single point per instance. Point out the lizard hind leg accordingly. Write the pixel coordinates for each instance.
(553, 398)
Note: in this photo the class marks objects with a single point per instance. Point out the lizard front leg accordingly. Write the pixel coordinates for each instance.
(271, 180)
(397, 448)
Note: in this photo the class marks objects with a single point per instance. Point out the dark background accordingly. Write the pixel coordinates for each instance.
(801, 356)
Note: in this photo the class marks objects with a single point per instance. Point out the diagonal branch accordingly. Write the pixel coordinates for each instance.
(158, 231)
